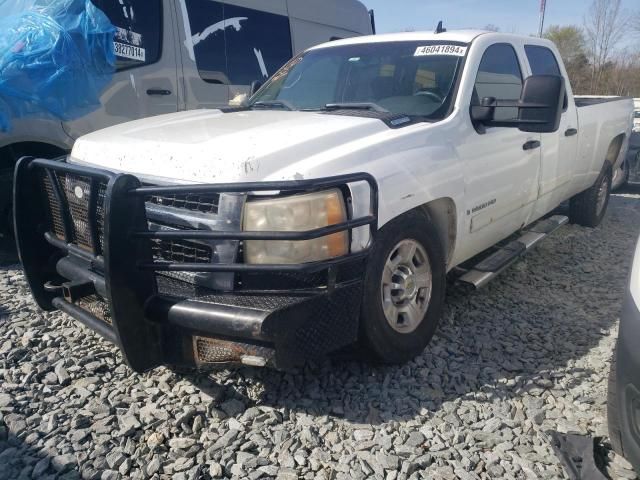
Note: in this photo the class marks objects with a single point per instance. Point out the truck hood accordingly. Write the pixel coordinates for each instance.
(209, 146)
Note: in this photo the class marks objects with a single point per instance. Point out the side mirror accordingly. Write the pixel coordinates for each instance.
(541, 103)
(539, 107)
(485, 111)
(255, 86)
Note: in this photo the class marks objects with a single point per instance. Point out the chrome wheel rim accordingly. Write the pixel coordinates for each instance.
(406, 286)
(603, 193)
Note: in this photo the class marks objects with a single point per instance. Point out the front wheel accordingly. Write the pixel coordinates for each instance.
(588, 208)
(404, 289)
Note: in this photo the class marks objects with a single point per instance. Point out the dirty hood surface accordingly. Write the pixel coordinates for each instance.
(208, 146)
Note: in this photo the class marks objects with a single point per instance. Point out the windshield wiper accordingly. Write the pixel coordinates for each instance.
(355, 106)
(274, 103)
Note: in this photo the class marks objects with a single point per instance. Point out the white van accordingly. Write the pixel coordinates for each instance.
(177, 55)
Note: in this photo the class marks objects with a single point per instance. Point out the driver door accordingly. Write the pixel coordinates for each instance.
(501, 163)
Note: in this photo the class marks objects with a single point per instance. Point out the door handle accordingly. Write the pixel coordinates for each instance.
(531, 144)
(157, 91)
(570, 132)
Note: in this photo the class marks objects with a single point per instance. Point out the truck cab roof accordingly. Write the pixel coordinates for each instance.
(464, 36)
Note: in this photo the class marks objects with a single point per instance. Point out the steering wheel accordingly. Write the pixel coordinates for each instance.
(428, 93)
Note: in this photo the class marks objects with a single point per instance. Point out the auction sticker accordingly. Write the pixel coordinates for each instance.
(429, 50)
(130, 51)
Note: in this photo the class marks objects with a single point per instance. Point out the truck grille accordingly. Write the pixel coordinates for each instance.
(181, 251)
(192, 202)
(75, 191)
(97, 307)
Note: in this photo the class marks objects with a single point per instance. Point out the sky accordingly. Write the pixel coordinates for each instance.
(517, 16)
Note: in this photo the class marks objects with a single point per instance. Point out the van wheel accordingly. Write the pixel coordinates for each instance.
(588, 208)
(404, 290)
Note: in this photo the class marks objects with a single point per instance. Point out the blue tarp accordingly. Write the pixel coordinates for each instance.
(56, 58)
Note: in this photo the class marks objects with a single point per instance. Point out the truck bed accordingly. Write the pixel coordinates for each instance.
(585, 101)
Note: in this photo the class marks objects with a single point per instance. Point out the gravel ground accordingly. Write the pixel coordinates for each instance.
(525, 356)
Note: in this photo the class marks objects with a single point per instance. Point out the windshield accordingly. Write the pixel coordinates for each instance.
(636, 114)
(410, 78)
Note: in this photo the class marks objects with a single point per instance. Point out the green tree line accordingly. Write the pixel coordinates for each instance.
(597, 55)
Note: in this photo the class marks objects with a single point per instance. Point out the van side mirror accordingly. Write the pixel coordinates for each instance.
(539, 107)
(255, 86)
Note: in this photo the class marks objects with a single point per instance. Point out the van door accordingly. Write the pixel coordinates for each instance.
(201, 33)
(145, 82)
(501, 176)
(559, 149)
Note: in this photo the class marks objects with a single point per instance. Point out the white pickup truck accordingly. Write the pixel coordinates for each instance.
(327, 211)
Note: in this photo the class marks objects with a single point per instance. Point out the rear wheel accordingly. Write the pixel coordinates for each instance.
(404, 290)
(589, 207)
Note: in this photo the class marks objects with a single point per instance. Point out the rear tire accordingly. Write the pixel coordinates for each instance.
(589, 207)
(404, 290)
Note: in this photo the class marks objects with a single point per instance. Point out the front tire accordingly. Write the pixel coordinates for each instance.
(589, 207)
(404, 290)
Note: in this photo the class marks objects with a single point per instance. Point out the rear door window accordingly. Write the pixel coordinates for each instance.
(138, 37)
(499, 76)
(542, 60)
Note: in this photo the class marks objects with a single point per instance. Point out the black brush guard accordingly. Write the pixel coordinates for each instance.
(86, 250)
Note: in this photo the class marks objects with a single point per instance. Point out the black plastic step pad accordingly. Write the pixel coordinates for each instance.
(502, 257)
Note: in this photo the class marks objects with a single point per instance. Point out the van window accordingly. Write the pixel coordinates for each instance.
(206, 20)
(499, 76)
(138, 37)
(236, 45)
(258, 44)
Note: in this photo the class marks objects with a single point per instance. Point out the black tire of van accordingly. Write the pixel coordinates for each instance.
(6, 207)
(379, 342)
(589, 207)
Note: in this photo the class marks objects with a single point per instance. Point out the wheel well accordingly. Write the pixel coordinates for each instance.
(614, 149)
(442, 213)
(11, 153)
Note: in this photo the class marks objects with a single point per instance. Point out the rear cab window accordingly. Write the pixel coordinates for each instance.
(543, 62)
(236, 45)
(138, 38)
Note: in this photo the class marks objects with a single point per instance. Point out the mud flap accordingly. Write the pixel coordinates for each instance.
(576, 453)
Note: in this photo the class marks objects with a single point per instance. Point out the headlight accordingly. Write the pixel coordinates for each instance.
(295, 214)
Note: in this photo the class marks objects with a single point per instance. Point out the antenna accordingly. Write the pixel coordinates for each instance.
(440, 28)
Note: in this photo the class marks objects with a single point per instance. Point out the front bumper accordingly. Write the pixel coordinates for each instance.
(87, 249)
(628, 381)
